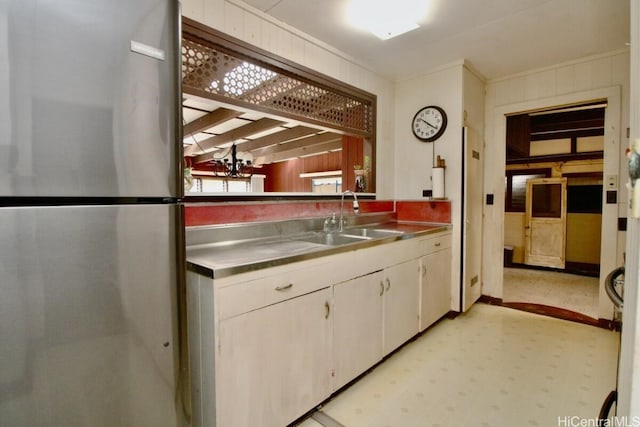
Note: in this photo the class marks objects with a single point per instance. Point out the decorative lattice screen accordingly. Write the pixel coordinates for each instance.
(208, 71)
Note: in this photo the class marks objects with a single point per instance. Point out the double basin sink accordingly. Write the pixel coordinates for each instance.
(220, 251)
(348, 236)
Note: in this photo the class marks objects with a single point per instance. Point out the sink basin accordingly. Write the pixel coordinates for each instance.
(371, 232)
(332, 239)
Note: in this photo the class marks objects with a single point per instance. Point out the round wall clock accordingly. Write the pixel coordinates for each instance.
(429, 123)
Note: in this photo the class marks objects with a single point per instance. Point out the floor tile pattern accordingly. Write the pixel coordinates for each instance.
(491, 367)
(563, 290)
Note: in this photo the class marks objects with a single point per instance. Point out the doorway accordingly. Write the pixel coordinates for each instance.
(553, 208)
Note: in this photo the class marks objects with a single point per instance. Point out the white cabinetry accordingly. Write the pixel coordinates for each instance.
(401, 304)
(274, 363)
(282, 339)
(357, 326)
(269, 335)
(435, 280)
(373, 315)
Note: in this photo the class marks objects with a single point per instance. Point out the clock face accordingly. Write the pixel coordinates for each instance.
(429, 123)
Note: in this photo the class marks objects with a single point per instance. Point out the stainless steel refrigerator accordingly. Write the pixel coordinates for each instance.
(90, 220)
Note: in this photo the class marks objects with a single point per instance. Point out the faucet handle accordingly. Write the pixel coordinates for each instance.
(330, 223)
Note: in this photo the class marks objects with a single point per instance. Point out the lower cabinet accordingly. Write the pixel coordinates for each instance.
(282, 340)
(401, 304)
(436, 286)
(274, 363)
(374, 315)
(357, 326)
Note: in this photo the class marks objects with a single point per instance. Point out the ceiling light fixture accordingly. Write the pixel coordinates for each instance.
(234, 168)
(384, 18)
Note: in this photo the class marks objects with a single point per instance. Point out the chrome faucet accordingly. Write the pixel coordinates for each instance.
(356, 207)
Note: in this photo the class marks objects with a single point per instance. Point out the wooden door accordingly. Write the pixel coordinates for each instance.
(546, 222)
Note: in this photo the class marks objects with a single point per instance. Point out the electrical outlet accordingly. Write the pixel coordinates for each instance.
(489, 199)
(612, 182)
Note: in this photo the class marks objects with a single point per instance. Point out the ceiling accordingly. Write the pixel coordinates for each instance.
(497, 37)
(211, 128)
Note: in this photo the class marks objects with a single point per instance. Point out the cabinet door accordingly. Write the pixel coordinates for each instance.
(357, 326)
(436, 287)
(401, 304)
(274, 363)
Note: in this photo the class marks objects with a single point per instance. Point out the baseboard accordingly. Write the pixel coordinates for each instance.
(614, 325)
(579, 269)
(452, 314)
(555, 312)
(490, 300)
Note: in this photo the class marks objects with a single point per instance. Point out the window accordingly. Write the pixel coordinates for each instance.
(330, 185)
(205, 184)
(546, 200)
(516, 187)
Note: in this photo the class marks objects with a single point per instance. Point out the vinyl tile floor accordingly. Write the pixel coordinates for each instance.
(490, 367)
(562, 290)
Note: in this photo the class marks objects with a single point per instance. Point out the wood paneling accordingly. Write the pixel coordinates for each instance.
(583, 237)
(353, 154)
(518, 135)
(285, 176)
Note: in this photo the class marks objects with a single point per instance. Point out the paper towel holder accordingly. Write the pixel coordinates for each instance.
(437, 183)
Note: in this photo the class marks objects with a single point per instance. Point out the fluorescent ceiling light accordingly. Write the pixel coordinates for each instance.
(243, 78)
(386, 18)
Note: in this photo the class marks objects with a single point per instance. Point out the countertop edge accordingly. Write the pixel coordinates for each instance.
(211, 271)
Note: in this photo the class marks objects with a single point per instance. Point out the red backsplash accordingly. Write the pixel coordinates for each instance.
(226, 213)
(429, 211)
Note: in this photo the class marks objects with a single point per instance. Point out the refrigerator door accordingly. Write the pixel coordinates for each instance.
(92, 95)
(88, 316)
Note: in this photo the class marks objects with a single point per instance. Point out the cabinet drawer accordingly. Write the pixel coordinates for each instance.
(247, 296)
(385, 255)
(437, 243)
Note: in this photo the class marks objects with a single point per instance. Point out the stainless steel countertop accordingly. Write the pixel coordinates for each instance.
(226, 258)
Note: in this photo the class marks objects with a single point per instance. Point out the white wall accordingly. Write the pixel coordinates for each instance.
(252, 26)
(603, 76)
(414, 158)
(456, 89)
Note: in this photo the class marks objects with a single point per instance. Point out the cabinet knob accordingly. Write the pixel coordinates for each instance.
(388, 284)
(437, 245)
(381, 288)
(327, 309)
(424, 270)
(284, 287)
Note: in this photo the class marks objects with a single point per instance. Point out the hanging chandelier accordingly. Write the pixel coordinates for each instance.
(234, 168)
